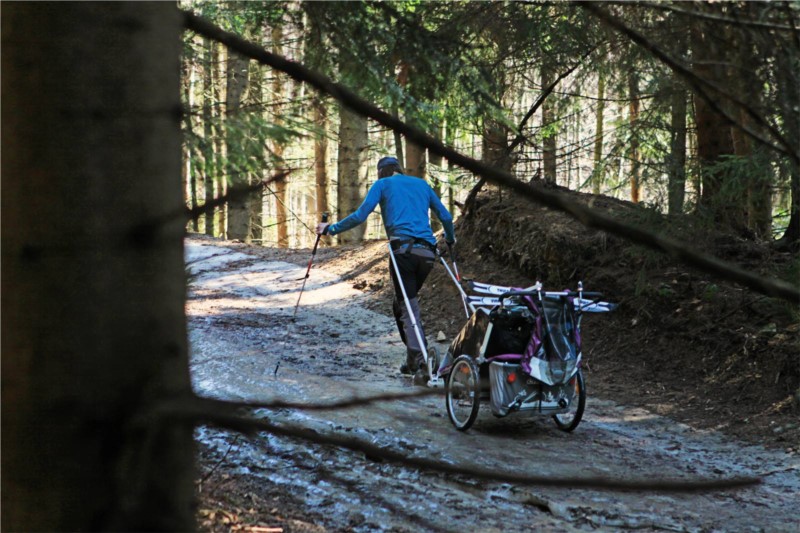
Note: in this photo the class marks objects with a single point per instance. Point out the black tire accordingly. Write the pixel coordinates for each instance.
(569, 421)
(462, 393)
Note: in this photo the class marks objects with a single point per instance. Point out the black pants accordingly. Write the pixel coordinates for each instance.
(414, 266)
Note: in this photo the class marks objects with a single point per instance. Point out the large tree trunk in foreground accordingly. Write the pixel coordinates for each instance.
(93, 292)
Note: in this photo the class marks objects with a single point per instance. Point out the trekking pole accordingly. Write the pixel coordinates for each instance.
(308, 270)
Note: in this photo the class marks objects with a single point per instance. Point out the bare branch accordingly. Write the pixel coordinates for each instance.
(545, 93)
(224, 414)
(146, 231)
(342, 404)
(587, 216)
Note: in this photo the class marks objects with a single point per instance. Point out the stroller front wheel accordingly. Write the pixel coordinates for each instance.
(569, 421)
(462, 392)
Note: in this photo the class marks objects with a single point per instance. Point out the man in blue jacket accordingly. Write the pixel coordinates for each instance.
(405, 203)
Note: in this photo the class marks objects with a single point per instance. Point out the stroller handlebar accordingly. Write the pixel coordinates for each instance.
(550, 294)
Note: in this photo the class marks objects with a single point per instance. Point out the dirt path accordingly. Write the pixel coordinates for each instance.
(246, 347)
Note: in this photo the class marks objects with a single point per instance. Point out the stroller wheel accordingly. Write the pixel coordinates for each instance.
(462, 393)
(570, 420)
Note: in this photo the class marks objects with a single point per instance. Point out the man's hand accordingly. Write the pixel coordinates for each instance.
(445, 246)
(322, 228)
(451, 249)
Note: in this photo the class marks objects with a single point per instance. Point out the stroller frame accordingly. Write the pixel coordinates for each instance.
(516, 382)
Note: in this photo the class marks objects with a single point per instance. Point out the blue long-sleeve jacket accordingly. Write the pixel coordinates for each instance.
(405, 202)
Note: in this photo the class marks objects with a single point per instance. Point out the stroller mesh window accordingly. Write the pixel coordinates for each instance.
(559, 341)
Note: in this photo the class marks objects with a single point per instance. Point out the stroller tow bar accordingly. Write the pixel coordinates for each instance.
(468, 309)
(433, 375)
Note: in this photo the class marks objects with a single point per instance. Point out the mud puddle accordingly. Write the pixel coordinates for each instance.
(245, 346)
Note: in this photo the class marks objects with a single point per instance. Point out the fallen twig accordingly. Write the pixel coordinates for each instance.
(224, 414)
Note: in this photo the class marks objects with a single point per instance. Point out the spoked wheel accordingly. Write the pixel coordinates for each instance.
(463, 393)
(570, 420)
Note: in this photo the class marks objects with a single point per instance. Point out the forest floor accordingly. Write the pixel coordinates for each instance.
(703, 353)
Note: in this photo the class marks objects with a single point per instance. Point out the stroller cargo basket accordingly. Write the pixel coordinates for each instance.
(511, 391)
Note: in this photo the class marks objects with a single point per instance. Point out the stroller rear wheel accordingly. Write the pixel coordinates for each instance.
(570, 420)
(462, 393)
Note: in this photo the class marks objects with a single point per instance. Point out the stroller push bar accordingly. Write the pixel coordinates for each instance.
(433, 375)
(468, 307)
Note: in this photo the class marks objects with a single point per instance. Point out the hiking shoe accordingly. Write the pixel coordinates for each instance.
(421, 376)
(406, 369)
(413, 361)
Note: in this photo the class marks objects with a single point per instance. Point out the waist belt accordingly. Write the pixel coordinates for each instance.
(411, 243)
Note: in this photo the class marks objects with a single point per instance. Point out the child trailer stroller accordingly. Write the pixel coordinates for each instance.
(520, 351)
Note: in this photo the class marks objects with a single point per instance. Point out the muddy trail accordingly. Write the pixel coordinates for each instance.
(246, 347)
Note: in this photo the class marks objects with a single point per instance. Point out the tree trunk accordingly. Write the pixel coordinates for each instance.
(598, 172)
(549, 137)
(449, 140)
(791, 236)
(677, 159)
(218, 73)
(495, 145)
(676, 162)
(402, 81)
(239, 226)
(419, 90)
(256, 95)
(416, 164)
(633, 122)
(789, 98)
(208, 138)
(315, 57)
(435, 159)
(758, 180)
(189, 171)
(278, 88)
(352, 172)
(714, 139)
(94, 332)
(320, 158)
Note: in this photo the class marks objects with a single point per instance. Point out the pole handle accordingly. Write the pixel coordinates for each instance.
(325, 217)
